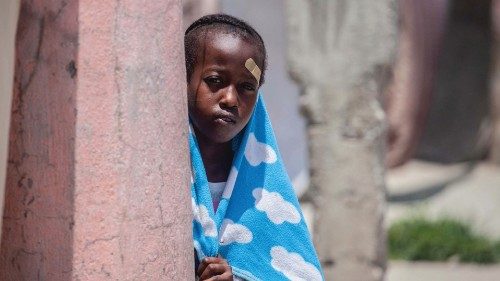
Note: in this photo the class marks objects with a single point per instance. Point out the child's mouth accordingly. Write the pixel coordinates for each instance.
(224, 120)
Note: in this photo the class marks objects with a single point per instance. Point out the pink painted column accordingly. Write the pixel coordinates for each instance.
(132, 203)
(38, 216)
(98, 179)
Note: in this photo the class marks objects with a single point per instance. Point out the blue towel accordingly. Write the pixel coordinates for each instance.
(258, 226)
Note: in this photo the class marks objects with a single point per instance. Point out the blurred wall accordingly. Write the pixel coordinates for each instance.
(9, 10)
(194, 9)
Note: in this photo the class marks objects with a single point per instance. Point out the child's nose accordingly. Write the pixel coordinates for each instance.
(229, 97)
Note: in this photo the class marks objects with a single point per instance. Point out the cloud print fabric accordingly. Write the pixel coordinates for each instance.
(258, 226)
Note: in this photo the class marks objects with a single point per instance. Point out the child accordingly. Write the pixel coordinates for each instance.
(247, 221)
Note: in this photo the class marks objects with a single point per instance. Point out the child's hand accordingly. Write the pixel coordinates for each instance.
(212, 268)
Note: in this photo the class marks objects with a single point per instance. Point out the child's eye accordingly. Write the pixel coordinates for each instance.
(248, 87)
(213, 80)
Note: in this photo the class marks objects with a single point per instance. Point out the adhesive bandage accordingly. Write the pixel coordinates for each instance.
(253, 68)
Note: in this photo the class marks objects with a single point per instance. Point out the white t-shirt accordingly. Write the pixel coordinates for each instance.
(216, 190)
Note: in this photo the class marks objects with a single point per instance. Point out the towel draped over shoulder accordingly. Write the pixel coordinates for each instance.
(258, 225)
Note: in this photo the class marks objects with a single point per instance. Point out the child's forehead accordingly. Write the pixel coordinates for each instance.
(226, 37)
(223, 45)
(226, 41)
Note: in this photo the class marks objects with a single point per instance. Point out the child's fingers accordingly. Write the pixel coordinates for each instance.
(203, 264)
(227, 276)
(218, 270)
(206, 261)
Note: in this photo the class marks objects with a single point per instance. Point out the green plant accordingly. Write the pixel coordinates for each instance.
(496, 248)
(439, 240)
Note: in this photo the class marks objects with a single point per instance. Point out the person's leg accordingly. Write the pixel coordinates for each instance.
(409, 96)
(9, 12)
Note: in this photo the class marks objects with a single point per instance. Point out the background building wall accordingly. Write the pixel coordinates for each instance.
(194, 9)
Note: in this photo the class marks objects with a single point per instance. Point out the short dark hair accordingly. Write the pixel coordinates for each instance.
(225, 23)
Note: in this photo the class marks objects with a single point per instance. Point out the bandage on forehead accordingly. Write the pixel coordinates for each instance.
(253, 68)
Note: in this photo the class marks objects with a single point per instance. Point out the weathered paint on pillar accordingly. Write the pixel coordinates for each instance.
(98, 180)
(132, 171)
(38, 217)
(9, 11)
(339, 51)
(495, 83)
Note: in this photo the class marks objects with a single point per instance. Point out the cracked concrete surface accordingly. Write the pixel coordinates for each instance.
(341, 79)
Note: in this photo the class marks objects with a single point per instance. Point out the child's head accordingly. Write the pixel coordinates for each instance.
(220, 23)
(222, 91)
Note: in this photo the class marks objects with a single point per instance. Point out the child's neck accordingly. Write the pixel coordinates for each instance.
(217, 158)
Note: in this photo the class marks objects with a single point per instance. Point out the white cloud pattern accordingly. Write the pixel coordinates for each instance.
(201, 215)
(293, 265)
(257, 152)
(231, 181)
(278, 210)
(234, 233)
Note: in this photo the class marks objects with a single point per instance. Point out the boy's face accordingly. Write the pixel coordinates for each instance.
(222, 92)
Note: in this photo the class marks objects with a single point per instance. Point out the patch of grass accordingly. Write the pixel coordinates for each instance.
(420, 239)
(496, 247)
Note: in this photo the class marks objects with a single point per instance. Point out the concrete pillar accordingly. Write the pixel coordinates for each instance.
(9, 11)
(339, 51)
(495, 83)
(98, 174)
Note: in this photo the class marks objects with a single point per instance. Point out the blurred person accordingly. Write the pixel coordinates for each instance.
(409, 95)
(247, 220)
